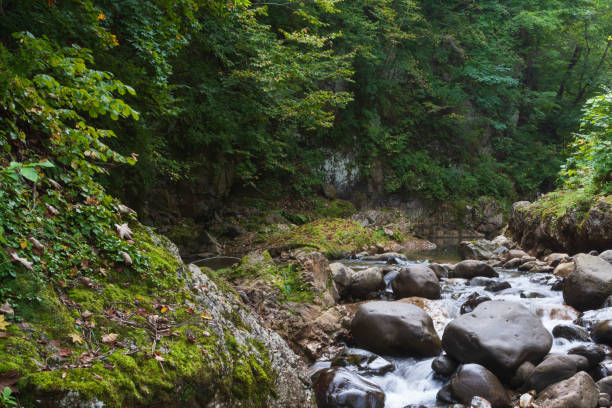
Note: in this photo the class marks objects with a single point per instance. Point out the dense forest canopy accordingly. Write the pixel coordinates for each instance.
(446, 99)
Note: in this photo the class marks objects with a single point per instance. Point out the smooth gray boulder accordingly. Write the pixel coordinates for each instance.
(395, 328)
(602, 332)
(588, 286)
(499, 335)
(338, 387)
(342, 276)
(606, 256)
(605, 385)
(416, 280)
(473, 380)
(470, 269)
(367, 281)
(578, 391)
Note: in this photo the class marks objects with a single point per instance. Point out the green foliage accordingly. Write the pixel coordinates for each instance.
(7, 399)
(589, 165)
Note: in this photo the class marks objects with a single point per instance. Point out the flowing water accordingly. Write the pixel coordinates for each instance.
(413, 382)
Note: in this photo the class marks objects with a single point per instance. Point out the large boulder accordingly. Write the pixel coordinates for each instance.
(338, 387)
(605, 385)
(588, 286)
(470, 269)
(395, 328)
(578, 391)
(342, 276)
(416, 280)
(363, 362)
(475, 380)
(367, 281)
(499, 335)
(481, 249)
(606, 255)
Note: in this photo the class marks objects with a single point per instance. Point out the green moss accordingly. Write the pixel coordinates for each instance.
(334, 209)
(333, 236)
(184, 232)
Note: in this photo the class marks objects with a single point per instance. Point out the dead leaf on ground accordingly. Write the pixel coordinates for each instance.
(16, 258)
(52, 210)
(160, 358)
(126, 257)
(124, 231)
(7, 309)
(76, 338)
(64, 375)
(65, 352)
(4, 335)
(110, 338)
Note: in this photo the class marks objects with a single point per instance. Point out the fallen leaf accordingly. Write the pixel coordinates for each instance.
(206, 315)
(4, 335)
(23, 244)
(76, 338)
(17, 258)
(124, 209)
(52, 210)
(3, 324)
(86, 314)
(86, 357)
(64, 375)
(164, 309)
(110, 338)
(160, 358)
(55, 184)
(126, 257)
(39, 248)
(65, 352)
(97, 377)
(124, 231)
(7, 309)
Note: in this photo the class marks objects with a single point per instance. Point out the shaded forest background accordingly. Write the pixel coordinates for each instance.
(440, 100)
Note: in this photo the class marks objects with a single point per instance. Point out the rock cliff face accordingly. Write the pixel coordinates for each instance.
(551, 224)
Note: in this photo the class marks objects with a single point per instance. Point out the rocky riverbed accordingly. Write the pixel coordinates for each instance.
(504, 329)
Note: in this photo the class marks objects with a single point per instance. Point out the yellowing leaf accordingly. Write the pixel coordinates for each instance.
(23, 244)
(138, 297)
(76, 338)
(164, 309)
(206, 315)
(3, 324)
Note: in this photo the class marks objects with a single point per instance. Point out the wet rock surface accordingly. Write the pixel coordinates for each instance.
(470, 269)
(578, 391)
(416, 280)
(475, 380)
(395, 328)
(339, 387)
(588, 286)
(499, 335)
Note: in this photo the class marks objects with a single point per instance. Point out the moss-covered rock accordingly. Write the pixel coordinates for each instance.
(176, 340)
(563, 221)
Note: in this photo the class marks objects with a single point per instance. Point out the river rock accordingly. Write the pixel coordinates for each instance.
(555, 258)
(497, 286)
(606, 255)
(563, 270)
(342, 276)
(588, 286)
(522, 374)
(602, 332)
(481, 249)
(515, 253)
(592, 352)
(578, 391)
(470, 269)
(570, 332)
(472, 301)
(338, 387)
(395, 328)
(363, 362)
(385, 257)
(550, 371)
(367, 281)
(475, 380)
(441, 271)
(605, 385)
(499, 335)
(416, 280)
(444, 365)
(514, 263)
(479, 402)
